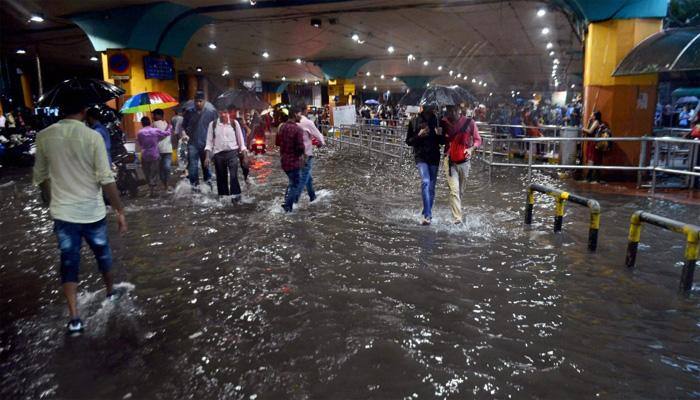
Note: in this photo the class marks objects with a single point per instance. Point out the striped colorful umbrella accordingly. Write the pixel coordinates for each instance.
(148, 101)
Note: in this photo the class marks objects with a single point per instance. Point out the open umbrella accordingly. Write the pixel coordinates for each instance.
(687, 99)
(241, 99)
(147, 102)
(80, 90)
(189, 105)
(371, 102)
(670, 50)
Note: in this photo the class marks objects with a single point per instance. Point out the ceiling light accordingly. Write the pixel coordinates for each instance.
(367, 73)
(284, 78)
(212, 46)
(545, 31)
(439, 67)
(426, 62)
(316, 22)
(427, 84)
(356, 37)
(484, 84)
(94, 59)
(36, 18)
(491, 94)
(225, 73)
(317, 82)
(555, 61)
(549, 45)
(382, 76)
(465, 77)
(534, 94)
(198, 69)
(459, 75)
(298, 61)
(364, 86)
(393, 79)
(551, 53)
(390, 49)
(266, 54)
(21, 51)
(517, 92)
(541, 12)
(306, 81)
(473, 80)
(573, 86)
(481, 82)
(256, 75)
(360, 41)
(451, 72)
(253, 2)
(375, 88)
(410, 58)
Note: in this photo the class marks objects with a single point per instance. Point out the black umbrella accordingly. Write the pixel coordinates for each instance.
(437, 96)
(241, 99)
(412, 98)
(81, 91)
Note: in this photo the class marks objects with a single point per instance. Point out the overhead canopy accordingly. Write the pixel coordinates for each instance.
(601, 10)
(685, 92)
(666, 51)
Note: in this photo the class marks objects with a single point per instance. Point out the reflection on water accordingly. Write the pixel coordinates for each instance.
(348, 297)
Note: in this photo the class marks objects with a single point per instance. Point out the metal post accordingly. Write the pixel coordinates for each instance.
(633, 239)
(642, 162)
(593, 229)
(559, 211)
(491, 159)
(529, 161)
(40, 81)
(529, 206)
(653, 172)
(691, 258)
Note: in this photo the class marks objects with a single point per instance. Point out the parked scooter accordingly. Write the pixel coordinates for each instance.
(19, 148)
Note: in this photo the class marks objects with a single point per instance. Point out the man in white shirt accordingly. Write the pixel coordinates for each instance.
(165, 148)
(224, 142)
(312, 137)
(2, 121)
(72, 171)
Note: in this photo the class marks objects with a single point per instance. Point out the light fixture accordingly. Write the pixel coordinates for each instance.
(316, 22)
(545, 31)
(256, 75)
(555, 61)
(551, 53)
(426, 62)
(253, 2)
(410, 58)
(198, 69)
(490, 94)
(484, 84)
(541, 12)
(298, 61)
(306, 81)
(225, 73)
(94, 59)
(364, 86)
(393, 79)
(549, 45)
(390, 49)
(382, 76)
(375, 88)
(368, 73)
(317, 83)
(517, 92)
(284, 78)
(459, 75)
(473, 80)
(360, 41)
(212, 45)
(36, 18)
(355, 37)
(451, 72)
(465, 77)
(573, 86)
(534, 94)
(21, 51)
(265, 54)
(439, 67)
(427, 84)
(480, 83)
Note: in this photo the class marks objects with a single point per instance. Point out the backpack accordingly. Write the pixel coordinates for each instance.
(603, 132)
(457, 151)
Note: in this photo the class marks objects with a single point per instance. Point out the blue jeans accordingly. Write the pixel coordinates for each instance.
(166, 161)
(293, 189)
(70, 238)
(194, 158)
(306, 180)
(428, 176)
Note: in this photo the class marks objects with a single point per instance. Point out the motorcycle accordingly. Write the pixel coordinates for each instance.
(123, 153)
(19, 148)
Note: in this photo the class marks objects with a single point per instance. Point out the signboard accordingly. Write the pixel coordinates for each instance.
(119, 65)
(344, 115)
(162, 68)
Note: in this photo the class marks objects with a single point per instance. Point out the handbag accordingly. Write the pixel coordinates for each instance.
(244, 157)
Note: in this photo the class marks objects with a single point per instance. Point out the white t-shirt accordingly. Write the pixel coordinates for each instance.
(166, 144)
(2, 121)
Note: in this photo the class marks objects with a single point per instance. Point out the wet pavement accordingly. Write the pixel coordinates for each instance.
(348, 298)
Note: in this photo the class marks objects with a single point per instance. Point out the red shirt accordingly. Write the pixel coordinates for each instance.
(290, 139)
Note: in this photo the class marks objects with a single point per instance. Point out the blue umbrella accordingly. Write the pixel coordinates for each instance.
(371, 102)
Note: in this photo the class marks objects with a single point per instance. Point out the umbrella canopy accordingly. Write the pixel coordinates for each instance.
(371, 102)
(241, 99)
(189, 105)
(666, 51)
(412, 98)
(438, 96)
(687, 99)
(83, 91)
(147, 102)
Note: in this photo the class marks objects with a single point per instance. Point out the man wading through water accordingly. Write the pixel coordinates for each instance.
(72, 171)
(462, 136)
(425, 139)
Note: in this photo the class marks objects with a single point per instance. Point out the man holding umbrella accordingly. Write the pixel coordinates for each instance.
(425, 139)
(72, 171)
(195, 124)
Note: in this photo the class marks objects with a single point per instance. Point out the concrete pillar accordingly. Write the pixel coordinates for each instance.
(627, 103)
(26, 90)
(191, 86)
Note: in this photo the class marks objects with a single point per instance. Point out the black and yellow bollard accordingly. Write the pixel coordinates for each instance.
(559, 210)
(691, 257)
(633, 239)
(593, 227)
(529, 205)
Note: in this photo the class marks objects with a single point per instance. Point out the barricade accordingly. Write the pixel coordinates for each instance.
(561, 196)
(691, 232)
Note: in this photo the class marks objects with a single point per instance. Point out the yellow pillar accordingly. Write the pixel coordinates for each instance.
(344, 89)
(133, 80)
(627, 103)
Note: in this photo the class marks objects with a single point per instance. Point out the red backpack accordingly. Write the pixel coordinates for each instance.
(458, 149)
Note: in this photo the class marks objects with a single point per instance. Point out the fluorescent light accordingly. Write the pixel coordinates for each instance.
(545, 31)
(356, 37)
(549, 45)
(382, 76)
(375, 88)
(298, 61)
(21, 51)
(541, 12)
(459, 75)
(465, 77)
(410, 58)
(484, 84)
(393, 79)
(256, 75)
(390, 49)
(473, 80)
(212, 46)
(94, 59)
(198, 69)
(284, 78)
(265, 54)
(368, 73)
(225, 73)
(491, 94)
(551, 53)
(573, 86)
(451, 72)
(426, 62)
(555, 61)
(364, 86)
(439, 67)
(36, 18)
(517, 92)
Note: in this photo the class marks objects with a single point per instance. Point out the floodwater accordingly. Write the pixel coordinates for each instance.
(348, 298)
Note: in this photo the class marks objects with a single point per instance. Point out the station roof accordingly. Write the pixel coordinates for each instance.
(500, 43)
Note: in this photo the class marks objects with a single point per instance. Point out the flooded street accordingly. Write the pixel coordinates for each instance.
(349, 298)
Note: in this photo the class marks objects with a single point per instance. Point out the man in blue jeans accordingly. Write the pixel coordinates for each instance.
(195, 124)
(72, 171)
(425, 139)
(312, 137)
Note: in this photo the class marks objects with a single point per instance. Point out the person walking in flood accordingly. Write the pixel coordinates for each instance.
(462, 137)
(148, 139)
(290, 140)
(195, 124)
(312, 137)
(165, 148)
(72, 171)
(425, 139)
(225, 142)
